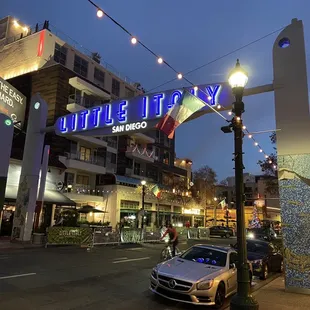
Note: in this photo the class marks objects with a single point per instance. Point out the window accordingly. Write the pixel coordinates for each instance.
(99, 77)
(82, 179)
(137, 169)
(233, 259)
(60, 54)
(116, 87)
(85, 154)
(69, 178)
(129, 93)
(127, 204)
(113, 158)
(80, 66)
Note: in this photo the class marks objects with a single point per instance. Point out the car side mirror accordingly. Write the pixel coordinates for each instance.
(232, 266)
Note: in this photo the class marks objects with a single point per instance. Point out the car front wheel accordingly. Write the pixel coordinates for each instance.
(220, 296)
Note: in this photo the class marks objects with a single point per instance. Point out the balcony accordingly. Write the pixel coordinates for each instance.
(88, 88)
(78, 103)
(144, 154)
(92, 164)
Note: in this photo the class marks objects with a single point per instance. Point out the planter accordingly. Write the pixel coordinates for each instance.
(38, 238)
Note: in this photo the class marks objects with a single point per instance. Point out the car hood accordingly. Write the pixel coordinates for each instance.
(255, 256)
(188, 271)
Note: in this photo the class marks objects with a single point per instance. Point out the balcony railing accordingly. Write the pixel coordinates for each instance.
(91, 159)
(142, 153)
(84, 101)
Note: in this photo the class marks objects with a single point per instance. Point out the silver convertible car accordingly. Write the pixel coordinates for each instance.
(203, 275)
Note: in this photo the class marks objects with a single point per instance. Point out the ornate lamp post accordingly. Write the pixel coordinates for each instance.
(237, 79)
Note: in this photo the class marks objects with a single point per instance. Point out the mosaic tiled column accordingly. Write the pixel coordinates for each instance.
(294, 183)
(293, 146)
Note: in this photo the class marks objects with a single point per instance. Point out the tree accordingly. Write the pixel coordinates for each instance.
(269, 168)
(205, 180)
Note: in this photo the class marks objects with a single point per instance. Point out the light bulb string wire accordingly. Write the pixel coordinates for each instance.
(191, 71)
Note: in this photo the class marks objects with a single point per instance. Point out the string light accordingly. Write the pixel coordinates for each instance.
(134, 40)
(238, 119)
(99, 13)
(244, 127)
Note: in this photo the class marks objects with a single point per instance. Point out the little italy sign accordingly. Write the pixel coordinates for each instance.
(139, 113)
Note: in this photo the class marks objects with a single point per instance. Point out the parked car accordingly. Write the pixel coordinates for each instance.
(221, 231)
(202, 275)
(265, 258)
(267, 234)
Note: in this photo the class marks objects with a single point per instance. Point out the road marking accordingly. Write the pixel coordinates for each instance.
(18, 276)
(130, 260)
(135, 249)
(121, 258)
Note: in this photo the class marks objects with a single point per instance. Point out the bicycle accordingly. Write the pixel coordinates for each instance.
(166, 252)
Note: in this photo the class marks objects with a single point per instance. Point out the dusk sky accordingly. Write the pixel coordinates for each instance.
(187, 34)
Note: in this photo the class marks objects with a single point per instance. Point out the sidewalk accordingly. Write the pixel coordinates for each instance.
(273, 296)
(6, 244)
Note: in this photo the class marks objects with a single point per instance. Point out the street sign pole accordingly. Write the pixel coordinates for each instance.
(29, 177)
(6, 138)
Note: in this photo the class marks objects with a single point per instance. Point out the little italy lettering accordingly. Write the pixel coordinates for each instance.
(136, 113)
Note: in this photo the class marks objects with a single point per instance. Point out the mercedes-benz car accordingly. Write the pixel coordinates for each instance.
(203, 275)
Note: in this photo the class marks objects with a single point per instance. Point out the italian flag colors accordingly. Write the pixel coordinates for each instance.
(156, 191)
(187, 105)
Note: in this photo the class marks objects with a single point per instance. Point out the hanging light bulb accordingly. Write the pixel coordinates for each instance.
(229, 113)
(99, 13)
(260, 150)
(209, 98)
(134, 40)
(195, 88)
(218, 106)
(160, 60)
(256, 143)
(274, 167)
(270, 161)
(244, 127)
(250, 136)
(238, 119)
(266, 156)
(180, 76)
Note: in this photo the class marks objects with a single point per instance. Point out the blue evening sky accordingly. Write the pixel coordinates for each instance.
(187, 34)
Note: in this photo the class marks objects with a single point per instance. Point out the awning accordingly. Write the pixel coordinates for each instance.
(50, 196)
(122, 179)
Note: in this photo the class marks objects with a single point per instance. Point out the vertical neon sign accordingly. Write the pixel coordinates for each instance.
(41, 43)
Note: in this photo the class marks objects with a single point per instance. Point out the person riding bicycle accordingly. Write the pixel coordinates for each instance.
(173, 237)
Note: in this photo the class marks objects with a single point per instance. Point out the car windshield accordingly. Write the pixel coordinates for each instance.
(206, 256)
(257, 247)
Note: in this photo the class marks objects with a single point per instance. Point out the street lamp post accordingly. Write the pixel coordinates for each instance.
(143, 183)
(243, 299)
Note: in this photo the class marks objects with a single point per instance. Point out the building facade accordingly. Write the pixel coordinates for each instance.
(97, 171)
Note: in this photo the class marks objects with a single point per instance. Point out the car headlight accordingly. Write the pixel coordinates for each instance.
(257, 262)
(205, 285)
(251, 235)
(154, 273)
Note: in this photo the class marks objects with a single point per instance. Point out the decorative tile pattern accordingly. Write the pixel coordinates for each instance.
(294, 181)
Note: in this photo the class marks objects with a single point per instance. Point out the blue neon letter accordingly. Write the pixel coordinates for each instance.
(84, 117)
(63, 125)
(145, 108)
(122, 114)
(213, 92)
(108, 119)
(96, 113)
(73, 122)
(157, 99)
(176, 95)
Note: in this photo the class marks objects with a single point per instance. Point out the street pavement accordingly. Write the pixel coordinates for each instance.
(66, 278)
